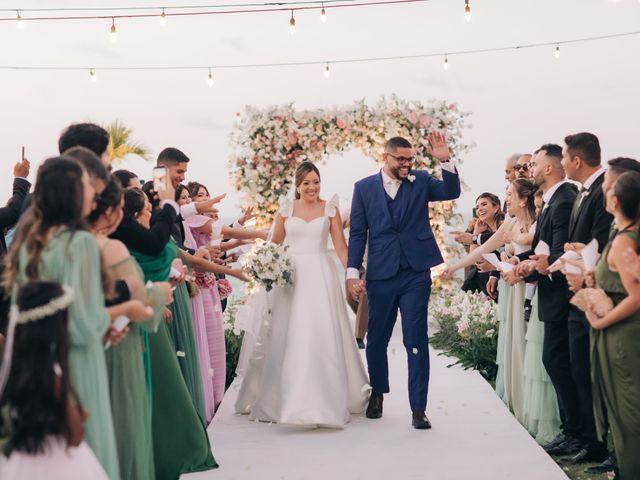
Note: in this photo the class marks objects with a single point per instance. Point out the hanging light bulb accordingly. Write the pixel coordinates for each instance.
(113, 35)
(292, 24)
(163, 18)
(93, 76)
(445, 65)
(557, 53)
(19, 20)
(467, 11)
(210, 79)
(323, 14)
(327, 72)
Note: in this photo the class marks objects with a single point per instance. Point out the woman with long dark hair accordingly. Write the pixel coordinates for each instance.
(52, 243)
(615, 337)
(41, 421)
(180, 441)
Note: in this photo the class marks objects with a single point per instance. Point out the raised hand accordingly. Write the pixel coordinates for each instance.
(438, 147)
(247, 215)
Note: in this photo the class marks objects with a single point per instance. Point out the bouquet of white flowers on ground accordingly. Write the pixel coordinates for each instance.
(269, 265)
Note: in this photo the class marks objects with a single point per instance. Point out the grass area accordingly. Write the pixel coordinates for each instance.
(576, 472)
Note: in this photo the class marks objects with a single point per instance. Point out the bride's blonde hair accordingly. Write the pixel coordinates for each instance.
(304, 169)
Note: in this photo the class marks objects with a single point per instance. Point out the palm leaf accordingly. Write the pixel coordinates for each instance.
(121, 143)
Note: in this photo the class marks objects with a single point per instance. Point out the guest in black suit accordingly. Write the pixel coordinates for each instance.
(553, 292)
(9, 216)
(589, 219)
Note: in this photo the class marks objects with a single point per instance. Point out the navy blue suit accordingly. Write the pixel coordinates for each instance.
(402, 249)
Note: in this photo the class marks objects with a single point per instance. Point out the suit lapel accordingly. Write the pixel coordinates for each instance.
(586, 199)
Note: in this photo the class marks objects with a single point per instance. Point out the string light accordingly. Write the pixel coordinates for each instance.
(445, 65)
(113, 34)
(163, 18)
(292, 24)
(210, 79)
(467, 11)
(19, 20)
(92, 75)
(557, 53)
(327, 72)
(323, 14)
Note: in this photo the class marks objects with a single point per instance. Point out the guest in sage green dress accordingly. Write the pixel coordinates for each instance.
(180, 441)
(51, 244)
(130, 403)
(615, 338)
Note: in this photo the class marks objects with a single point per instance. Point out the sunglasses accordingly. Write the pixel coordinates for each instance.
(524, 167)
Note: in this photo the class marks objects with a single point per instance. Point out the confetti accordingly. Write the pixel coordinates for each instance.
(181, 354)
(415, 351)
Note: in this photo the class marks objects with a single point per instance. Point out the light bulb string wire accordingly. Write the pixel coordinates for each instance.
(278, 8)
(446, 54)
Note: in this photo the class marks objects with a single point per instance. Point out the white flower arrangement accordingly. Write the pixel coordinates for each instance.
(269, 265)
(466, 309)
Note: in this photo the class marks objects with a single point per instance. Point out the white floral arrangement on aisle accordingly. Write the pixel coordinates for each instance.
(269, 264)
(464, 310)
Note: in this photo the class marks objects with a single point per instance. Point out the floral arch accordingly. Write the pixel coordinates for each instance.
(269, 144)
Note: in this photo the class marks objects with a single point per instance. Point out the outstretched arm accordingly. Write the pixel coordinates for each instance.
(493, 243)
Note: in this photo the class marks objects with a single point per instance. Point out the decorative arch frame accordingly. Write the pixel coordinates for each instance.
(269, 144)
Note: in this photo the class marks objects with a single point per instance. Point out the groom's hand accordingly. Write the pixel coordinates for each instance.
(355, 287)
(438, 147)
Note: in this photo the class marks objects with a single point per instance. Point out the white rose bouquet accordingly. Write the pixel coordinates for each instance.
(269, 265)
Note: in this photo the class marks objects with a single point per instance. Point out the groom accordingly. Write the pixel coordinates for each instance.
(390, 210)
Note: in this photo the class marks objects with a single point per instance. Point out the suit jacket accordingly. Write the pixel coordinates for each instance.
(10, 214)
(147, 241)
(553, 228)
(592, 219)
(371, 220)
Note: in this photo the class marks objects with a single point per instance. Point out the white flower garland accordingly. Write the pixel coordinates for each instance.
(54, 306)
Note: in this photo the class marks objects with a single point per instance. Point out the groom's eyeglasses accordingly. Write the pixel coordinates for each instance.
(401, 160)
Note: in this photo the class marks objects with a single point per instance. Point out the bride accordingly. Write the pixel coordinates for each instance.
(305, 368)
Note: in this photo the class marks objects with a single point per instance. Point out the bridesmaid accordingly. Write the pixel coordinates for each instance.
(180, 441)
(202, 229)
(615, 338)
(199, 321)
(130, 403)
(52, 243)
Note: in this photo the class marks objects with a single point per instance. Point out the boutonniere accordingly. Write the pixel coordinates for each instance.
(411, 178)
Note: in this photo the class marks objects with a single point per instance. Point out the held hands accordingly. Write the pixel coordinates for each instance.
(512, 278)
(525, 268)
(355, 287)
(541, 263)
(438, 147)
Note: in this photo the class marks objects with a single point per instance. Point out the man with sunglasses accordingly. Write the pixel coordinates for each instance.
(522, 166)
(390, 211)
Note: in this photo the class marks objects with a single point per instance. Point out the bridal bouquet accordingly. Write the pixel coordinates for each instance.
(269, 265)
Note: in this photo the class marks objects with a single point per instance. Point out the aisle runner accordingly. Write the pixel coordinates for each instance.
(474, 437)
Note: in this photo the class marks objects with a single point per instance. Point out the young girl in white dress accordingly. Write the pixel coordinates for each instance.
(41, 423)
(305, 367)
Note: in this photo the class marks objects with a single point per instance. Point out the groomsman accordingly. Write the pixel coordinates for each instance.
(589, 219)
(553, 293)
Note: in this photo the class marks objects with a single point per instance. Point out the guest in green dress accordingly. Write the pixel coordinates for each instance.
(180, 441)
(615, 338)
(130, 402)
(51, 244)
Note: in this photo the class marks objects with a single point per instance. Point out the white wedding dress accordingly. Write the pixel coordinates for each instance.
(305, 367)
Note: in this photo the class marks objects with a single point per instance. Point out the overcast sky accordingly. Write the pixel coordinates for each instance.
(518, 99)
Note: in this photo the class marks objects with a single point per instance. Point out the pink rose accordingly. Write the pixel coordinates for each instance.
(341, 123)
(279, 119)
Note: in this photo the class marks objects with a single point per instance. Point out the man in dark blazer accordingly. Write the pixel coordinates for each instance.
(9, 215)
(589, 219)
(553, 291)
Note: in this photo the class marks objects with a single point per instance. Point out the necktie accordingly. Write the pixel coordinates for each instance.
(576, 205)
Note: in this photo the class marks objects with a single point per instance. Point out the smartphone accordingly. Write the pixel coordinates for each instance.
(474, 214)
(160, 179)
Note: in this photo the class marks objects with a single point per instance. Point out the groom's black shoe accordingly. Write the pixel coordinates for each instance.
(374, 410)
(360, 343)
(420, 421)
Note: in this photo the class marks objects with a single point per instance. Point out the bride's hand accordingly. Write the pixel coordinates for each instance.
(355, 287)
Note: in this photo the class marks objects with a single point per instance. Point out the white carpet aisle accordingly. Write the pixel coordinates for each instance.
(473, 437)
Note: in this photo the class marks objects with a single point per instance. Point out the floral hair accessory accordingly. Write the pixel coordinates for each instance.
(55, 305)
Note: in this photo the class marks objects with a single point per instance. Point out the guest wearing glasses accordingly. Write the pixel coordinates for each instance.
(522, 166)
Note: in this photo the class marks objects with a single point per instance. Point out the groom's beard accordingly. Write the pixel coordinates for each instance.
(395, 172)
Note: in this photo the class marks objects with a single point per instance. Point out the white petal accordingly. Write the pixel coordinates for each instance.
(181, 354)
(415, 351)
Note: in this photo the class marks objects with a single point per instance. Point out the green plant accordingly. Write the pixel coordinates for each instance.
(232, 338)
